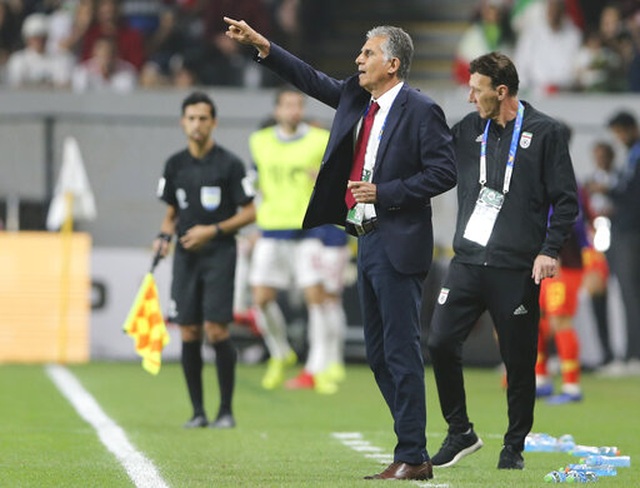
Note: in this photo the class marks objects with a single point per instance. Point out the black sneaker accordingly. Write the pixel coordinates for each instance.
(225, 421)
(455, 447)
(510, 458)
(196, 421)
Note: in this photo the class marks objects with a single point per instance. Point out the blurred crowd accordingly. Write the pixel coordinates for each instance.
(559, 45)
(119, 45)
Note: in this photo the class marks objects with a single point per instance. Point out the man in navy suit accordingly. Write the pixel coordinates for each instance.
(407, 160)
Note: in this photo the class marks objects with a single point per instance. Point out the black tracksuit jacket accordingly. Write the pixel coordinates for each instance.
(542, 177)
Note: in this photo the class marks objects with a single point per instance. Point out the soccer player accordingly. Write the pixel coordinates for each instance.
(287, 156)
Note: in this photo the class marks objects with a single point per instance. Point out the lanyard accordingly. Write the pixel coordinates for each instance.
(512, 151)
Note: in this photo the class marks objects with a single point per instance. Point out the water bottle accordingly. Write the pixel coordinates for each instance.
(608, 451)
(565, 443)
(583, 451)
(598, 460)
(540, 443)
(580, 477)
(555, 477)
(602, 470)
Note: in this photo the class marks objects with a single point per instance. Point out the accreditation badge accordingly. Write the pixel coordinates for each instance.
(355, 215)
(483, 218)
(210, 197)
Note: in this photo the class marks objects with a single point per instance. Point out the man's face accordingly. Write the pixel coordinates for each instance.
(483, 96)
(197, 122)
(290, 109)
(374, 69)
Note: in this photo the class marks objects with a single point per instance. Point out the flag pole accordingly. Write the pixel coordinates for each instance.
(67, 236)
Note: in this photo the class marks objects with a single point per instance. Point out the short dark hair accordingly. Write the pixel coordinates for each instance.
(499, 68)
(199, 97)
(623, 119)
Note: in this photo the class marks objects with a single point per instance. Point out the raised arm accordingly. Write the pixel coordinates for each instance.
(242, 32)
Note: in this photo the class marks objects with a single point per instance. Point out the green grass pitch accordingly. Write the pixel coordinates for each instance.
(284, 438)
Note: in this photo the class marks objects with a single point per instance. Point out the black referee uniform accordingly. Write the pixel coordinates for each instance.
(497, 277)
(205, 192)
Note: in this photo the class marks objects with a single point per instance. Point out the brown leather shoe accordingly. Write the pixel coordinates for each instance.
(405, 471)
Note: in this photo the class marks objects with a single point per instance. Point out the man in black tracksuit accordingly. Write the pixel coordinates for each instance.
(513, 165)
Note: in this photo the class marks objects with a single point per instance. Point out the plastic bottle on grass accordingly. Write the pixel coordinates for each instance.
(602, 470)
(555, 477)
(598, 460)
(582, 451)
(565, 443)
(540, 443)
(581, 477)
(570, 477)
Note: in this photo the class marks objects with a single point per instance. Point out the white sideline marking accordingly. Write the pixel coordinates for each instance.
(141, 470)
(356, 441)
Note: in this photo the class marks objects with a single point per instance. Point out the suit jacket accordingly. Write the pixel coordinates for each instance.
(415, 160)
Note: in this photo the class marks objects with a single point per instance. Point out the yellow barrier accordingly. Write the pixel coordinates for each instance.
(44, 297)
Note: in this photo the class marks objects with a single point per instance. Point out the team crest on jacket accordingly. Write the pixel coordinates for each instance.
(444, 294)
(525, 140)
(210, 197)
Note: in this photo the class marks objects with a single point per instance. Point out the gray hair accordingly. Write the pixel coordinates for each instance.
(398, 44)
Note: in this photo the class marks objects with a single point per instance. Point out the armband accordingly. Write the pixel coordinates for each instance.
(165, 237)
(219, 231)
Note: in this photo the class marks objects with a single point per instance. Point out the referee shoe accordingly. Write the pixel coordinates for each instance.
(455, 447)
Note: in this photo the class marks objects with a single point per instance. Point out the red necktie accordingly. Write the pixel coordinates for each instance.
(360, 149)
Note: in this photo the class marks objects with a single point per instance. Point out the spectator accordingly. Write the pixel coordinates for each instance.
(598, 68)
(546, 50)
(176, 43)
(488, 32)
(108, 22)
(151, 76)
(105, 71)
(227, 62)
(9, 37)
(142, 15)
(32, 66)
(184, 77)
(525, 12)
(68, 24)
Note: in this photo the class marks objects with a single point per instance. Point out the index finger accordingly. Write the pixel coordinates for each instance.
(231, 21)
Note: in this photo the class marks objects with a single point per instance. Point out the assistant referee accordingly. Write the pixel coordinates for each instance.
(204, 185)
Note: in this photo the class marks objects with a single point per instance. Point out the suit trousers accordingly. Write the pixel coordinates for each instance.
(511, 297)
(390, 303)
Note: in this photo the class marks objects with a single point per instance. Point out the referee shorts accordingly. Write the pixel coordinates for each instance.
(203, 285)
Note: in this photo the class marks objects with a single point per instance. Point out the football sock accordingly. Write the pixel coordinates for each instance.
(568, 351)
(192, 367)
(317, 336)
(336, 331)
(273, 327)
(226, 357)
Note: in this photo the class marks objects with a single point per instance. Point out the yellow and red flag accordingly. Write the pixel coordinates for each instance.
(146, 325)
